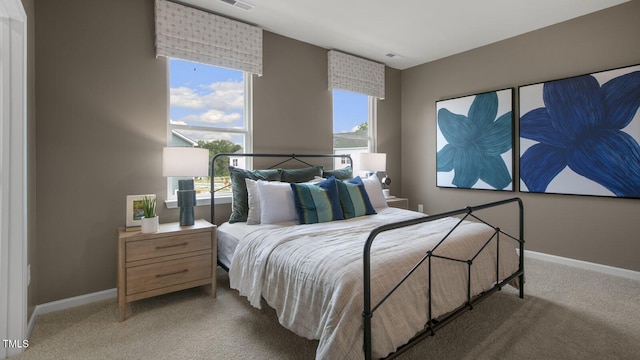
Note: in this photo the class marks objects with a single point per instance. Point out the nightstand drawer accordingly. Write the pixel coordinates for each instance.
(167, 273)
(170, 245)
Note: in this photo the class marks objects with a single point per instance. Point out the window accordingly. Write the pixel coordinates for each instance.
(209, 108)
(353, 124)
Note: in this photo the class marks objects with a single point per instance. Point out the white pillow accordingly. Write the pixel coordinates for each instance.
(253, 196)
(374, 189)
(276, 202)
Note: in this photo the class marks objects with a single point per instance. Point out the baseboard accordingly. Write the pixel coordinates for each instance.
(610, 270)
(68, 303)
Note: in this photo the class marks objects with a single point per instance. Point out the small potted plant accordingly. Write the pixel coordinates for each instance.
(150, 221)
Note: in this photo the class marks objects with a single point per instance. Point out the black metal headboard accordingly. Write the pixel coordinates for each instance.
(284, 159)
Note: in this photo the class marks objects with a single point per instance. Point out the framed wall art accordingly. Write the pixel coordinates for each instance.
(580, 135)
(475, 141)
(135, 212)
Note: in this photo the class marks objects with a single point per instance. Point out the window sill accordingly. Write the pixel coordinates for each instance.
(202, 201)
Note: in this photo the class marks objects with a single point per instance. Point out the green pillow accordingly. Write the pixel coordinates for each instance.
(354, 198)
(240, 204)
(316, 203)
(301, 175)
(340, 174)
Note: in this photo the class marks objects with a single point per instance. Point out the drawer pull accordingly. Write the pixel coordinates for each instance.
(172, 273)
(170, 246)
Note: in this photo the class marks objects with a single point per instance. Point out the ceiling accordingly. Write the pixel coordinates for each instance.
(417, 31)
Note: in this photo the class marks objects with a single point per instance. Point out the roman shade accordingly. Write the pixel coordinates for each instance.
(351, 73)
(190, 34)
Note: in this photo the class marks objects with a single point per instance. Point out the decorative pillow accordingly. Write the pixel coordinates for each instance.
(253, 197)
(339, 174)
(301, 175)
(276, 202)
(374, 190)
(240, 204)
(354, 199)
(319, 202)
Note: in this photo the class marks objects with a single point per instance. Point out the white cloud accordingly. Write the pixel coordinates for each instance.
(185, 97)
(177, 122)
(223, 96)
(229, 93)
(212, 116)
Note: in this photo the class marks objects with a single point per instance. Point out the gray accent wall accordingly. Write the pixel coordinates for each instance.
(594, 229)
(101, 97)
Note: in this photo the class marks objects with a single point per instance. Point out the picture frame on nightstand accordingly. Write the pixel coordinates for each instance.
(134, 211)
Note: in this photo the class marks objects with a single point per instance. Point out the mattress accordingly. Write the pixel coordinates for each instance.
(230, 234)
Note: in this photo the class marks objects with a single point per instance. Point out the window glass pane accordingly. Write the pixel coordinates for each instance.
(350, 123)
(203, 95)
(350, 111)
(216, 142)
(207, 110)
(189, 137)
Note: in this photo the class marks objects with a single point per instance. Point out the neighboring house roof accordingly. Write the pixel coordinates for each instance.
(178, 139)
(354, 139)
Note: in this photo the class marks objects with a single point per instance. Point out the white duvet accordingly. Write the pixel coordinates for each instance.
(312, 276)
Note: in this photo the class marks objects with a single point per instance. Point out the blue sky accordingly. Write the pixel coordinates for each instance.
(201, 96)
(349, 110)
(207, 96)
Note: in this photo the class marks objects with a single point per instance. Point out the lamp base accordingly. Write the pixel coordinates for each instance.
(186, 202)
(186, 216)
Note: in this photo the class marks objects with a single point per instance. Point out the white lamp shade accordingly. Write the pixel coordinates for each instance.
(185, 161)
(370, 162)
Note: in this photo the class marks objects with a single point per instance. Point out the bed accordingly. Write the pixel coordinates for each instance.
(366, 286)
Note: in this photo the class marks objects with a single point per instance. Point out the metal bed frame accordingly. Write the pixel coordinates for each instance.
(432, 324)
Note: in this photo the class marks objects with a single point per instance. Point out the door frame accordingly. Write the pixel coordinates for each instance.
(13, 177)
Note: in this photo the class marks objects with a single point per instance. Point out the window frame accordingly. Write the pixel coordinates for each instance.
(220, 198)
(373, 124)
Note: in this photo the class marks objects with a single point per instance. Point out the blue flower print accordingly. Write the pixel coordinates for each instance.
(580, 127)
(475, 143)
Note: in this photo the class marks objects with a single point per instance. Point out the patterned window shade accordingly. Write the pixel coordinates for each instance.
(351, 73)
(195, 35)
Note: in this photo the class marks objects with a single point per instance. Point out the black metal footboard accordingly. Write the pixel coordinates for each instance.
(432, 324)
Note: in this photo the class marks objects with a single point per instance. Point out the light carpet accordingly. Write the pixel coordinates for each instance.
(567, 313)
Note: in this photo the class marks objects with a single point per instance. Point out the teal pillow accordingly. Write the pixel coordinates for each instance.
(316, 203)
(240, 205)
(354, 198)
(340, 174)
(301, 175)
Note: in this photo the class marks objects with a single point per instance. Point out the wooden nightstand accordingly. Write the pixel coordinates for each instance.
(175, 258)
(402, 203)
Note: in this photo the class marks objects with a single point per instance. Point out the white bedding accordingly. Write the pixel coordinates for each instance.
(312, 276)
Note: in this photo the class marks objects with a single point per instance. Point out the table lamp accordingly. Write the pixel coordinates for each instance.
(185, 162)
(372, 163)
